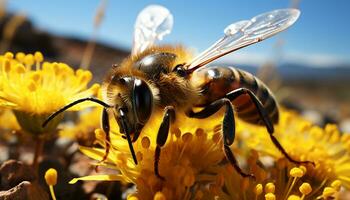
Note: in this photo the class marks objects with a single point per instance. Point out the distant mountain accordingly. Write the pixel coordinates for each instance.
(298, 71)
(304, 73)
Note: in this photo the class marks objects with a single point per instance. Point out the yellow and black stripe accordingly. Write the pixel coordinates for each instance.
(216, 82)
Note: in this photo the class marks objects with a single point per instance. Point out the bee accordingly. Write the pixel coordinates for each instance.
(163, 78)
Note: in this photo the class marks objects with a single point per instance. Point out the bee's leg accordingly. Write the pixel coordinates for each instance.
(169, 116)
(106, 129)
(228, 128)
(125, 129)
(266, 119)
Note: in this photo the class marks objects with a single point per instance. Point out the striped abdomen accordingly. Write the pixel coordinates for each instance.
(215, 82)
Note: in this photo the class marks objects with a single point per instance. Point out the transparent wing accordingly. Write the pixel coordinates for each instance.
(152, 24)
(246, 32)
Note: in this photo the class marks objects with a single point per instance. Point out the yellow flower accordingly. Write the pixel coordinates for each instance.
(8, 121)
(277, 181)
(8, 125)
(328, 148)
(33, 94)
(191, 161)
(190, 158)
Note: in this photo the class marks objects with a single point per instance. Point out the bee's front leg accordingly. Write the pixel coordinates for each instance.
(163, 132)
(106, 129)
(228, 128)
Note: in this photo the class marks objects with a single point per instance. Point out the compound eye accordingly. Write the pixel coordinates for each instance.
(179, 69)
(142, 101)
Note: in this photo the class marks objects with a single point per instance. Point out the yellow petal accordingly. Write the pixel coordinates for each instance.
(110, 177)
(93, 153)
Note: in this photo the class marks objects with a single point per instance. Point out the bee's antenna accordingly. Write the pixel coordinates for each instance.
(73, 104)
(127, 133)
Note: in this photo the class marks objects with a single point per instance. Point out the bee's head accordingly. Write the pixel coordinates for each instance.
(134, 105)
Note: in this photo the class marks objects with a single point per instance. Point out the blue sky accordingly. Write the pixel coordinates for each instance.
(319, 37)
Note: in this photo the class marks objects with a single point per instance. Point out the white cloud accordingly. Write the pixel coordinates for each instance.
(316, 59)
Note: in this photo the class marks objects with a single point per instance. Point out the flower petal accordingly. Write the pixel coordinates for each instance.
(109, 177)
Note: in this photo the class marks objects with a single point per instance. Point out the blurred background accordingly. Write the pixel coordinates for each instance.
(307, 66)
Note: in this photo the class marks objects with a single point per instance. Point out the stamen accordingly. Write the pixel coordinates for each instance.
(51, 180)
(36, 76)
(187, 137)
(29, 61)
(6, 65)
(305, 189)
(176, 132)
(200, 132)
(270, 196)
(145, 142)
(303, 168)
(315, 191)
(8, 55)
(336, 185)
(328, 192)
(64, 68)
(139, 156)
(38, 57)
(216, 137)
(294, 197)
(51, 176)
(20, 57)
(270, 188)
(189, 179)
(296, 173)
(258, 190)
(20, 69)
(32, 86)
(56, 68)
(132, 197)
